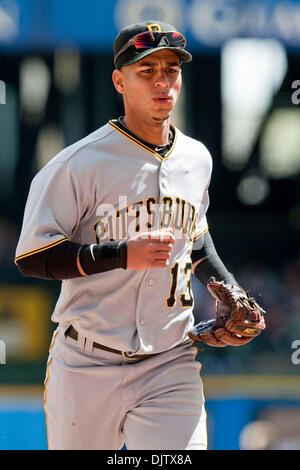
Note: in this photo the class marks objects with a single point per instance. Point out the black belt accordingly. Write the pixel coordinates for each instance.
(72, 333)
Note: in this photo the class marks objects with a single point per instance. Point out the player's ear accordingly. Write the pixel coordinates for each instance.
(118, 80)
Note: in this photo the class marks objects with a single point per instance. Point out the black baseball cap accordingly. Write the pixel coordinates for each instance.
(131, 55)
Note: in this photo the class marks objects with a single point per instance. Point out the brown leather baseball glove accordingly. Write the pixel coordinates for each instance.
(238, 321)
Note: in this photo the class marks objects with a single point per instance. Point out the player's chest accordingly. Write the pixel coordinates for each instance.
(151, 194)
(142, 178)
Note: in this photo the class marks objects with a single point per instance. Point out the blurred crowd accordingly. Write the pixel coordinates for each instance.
(9, 234)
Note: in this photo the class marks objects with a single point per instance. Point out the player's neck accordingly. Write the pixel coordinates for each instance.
(156, 133)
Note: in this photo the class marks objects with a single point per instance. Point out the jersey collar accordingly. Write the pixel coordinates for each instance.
(117, 125)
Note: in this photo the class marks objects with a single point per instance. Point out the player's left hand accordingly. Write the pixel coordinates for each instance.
(239, 317)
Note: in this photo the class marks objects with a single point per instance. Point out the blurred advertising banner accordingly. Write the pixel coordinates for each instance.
(93, 24)
(24, 322)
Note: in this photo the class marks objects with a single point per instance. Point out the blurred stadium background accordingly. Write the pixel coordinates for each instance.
(240, 98)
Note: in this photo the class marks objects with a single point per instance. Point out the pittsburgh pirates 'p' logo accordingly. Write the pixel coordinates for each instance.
(153, 27)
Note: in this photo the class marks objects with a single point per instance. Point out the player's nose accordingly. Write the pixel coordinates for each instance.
(162, 80)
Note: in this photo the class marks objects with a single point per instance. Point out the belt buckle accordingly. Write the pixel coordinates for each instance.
(128, 358)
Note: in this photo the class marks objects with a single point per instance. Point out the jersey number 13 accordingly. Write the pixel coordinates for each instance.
(186, 300)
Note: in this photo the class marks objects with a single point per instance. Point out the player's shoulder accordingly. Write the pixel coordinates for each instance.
(80, 148)
(192, 145)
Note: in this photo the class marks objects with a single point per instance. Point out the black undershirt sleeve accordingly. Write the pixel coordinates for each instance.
(57, 263)
(61, 262)
(211, 264)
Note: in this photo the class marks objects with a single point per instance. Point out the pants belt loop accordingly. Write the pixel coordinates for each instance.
(81, 341)
(88, 347)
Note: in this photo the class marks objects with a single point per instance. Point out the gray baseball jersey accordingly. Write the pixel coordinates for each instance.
(111, 186)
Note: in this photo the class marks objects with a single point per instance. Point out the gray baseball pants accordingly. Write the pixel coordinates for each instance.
(95, 399)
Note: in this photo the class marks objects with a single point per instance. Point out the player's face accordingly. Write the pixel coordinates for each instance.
(151, 86)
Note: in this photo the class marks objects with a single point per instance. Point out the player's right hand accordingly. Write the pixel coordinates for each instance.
(150, 249)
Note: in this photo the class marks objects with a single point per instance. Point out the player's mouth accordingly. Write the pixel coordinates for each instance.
(163, 99)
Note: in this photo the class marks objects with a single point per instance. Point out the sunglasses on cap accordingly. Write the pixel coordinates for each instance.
(153, 39)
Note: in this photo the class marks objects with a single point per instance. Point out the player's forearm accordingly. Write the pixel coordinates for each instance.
(207, 263)
(212, 266)
(70, 260)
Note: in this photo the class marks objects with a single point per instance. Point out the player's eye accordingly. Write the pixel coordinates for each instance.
(174, 70)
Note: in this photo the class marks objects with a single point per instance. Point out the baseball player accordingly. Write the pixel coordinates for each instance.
(120, 218)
